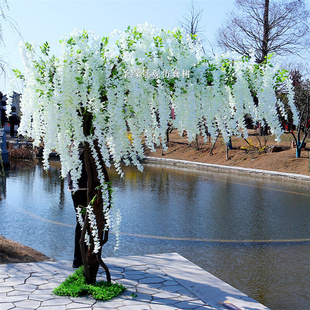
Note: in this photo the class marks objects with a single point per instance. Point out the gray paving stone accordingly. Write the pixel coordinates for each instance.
(12, 282)
(90, 301)
(129, 272)
(40, 297)
(186, 297)
(13, 299)
(29, 288)
(127, 282)
(142, 297)
(165, 301)
(55, 281)
(175, 288)
(22, 308)
(36, 281)
(48, 286)
(108, 304)
(156, 271)
(6, 306)
(28, 304)
(116, 269)
(117, 299)
(134, 307)
(17, 293)
(134, 276)
(6, 289)
(77, 305)
(157, 285)
(56, 302)
(40, 292)
(170, 283)
(143, 288)
(116, 276)
(53, 308)
(162, 307)
(151, 280)
(140, 267)
(185, 292)
(165, 294)
(191, 304)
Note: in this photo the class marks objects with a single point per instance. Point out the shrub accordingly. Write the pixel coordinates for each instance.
(76, 285)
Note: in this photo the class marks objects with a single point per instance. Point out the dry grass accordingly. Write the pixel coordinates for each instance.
(22, 152)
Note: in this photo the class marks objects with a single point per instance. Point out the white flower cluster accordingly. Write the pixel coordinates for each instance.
(81, 222)
(91, 77)
(94, 229)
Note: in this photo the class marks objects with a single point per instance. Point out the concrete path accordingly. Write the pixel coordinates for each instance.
(162, 281)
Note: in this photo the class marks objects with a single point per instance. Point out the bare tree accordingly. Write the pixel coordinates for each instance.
(302, 101)
(3, 6)
(191, 24)
(265, 27)
(192, 20)
(4, 18)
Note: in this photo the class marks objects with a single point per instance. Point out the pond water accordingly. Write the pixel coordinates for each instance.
(253, 233)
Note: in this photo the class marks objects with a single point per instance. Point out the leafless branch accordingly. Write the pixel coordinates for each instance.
(192, 20)
(280, 27)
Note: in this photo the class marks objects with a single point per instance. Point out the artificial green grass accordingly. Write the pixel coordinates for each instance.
(76, 285)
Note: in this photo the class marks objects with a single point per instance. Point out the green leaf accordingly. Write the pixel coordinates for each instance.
(18, 74)
(29, 47)
(45, 48)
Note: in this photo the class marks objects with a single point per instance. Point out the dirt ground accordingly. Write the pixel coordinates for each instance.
(14, 252)
(242, 155)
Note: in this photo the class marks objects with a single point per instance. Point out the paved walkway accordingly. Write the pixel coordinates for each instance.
(162, 281)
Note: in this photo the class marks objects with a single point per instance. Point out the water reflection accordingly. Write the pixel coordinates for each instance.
(196, 205)
(160, 206)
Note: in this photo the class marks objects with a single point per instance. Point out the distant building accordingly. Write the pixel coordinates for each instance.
(15, 103)
(2, 109)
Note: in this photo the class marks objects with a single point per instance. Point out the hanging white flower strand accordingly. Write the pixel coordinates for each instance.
(80, 219)
(94, 229)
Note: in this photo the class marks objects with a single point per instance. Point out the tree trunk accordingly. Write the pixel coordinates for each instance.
(214, 144)
(91, 261)
(298, 151)
(266, 32)
(92, 184)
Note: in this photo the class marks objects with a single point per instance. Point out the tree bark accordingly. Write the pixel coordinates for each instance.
(91, 261)
(266, 32)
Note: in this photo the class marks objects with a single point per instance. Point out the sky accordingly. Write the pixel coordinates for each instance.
(48, 20)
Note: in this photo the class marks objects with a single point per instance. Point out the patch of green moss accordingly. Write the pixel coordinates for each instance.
(76, 285)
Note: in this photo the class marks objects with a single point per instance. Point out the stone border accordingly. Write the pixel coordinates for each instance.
(226, 169)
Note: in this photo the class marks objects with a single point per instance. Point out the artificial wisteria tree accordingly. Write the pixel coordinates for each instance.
(114, 96)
